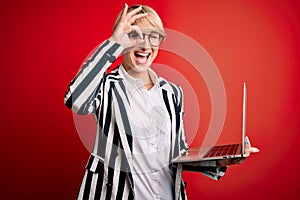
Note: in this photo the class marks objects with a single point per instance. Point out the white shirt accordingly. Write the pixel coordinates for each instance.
(151, 130)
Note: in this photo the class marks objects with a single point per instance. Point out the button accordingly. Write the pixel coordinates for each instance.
(111, 58)
(109, 185)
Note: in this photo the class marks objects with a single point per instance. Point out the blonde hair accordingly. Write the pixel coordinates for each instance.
(151, 20)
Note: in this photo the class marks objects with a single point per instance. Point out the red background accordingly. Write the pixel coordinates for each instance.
(43, 43)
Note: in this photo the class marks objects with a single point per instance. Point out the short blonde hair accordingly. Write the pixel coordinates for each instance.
(151, 20)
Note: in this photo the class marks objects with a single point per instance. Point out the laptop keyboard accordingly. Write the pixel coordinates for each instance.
(229, 149)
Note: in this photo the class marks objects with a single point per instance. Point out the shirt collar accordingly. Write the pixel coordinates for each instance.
(136, 81)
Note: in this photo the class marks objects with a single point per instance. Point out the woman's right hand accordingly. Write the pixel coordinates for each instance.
(124, 26)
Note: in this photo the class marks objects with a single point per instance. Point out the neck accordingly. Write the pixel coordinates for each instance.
(144, 75)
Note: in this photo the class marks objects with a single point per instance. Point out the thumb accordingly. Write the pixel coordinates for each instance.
(254, 150)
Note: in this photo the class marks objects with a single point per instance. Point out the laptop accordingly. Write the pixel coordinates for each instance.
(220, 151)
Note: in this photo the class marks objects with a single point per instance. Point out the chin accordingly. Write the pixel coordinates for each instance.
(142, 68)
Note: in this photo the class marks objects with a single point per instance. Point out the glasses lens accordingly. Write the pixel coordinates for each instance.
(155, 39)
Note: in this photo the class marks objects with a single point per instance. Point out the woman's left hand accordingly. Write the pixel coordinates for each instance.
(232, 161)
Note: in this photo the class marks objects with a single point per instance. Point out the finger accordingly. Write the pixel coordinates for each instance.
(222, 162)
(124, 10)
(247, 146)
(247, 141)
(237, 161)
(138, 16)
(254, 150)
(134, 14)
(135, 11)
(240, 161)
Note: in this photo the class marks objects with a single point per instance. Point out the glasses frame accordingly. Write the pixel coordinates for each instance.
(135, 35)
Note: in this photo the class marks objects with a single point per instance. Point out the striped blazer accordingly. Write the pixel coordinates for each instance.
(108, 171)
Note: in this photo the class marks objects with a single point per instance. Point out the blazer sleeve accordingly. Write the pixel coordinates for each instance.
(207, 168)
(84, 92)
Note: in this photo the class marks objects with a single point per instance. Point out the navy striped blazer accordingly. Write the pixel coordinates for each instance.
(94, 91)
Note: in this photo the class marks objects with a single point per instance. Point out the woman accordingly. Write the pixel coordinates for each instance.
(139, 116)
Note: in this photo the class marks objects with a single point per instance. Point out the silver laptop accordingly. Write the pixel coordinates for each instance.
(221, 151)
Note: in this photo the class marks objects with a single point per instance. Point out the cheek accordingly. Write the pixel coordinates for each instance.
(127, 58)
(154, 53)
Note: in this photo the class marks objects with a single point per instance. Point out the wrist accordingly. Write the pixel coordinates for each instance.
(115, 39)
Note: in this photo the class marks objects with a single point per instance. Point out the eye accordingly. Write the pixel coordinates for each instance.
(133, 34)
(154, 35)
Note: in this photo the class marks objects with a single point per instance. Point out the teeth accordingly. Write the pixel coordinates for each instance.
(142, 54)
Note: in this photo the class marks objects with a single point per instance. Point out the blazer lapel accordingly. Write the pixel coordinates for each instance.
(121, 106)
(170, 103)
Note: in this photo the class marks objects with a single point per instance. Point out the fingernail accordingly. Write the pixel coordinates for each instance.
(125, 5)
(247, 140)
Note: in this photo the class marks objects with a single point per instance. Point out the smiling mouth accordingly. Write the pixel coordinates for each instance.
(141, 57)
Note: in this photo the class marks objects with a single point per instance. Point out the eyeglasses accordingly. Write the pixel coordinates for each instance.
(154, 38)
